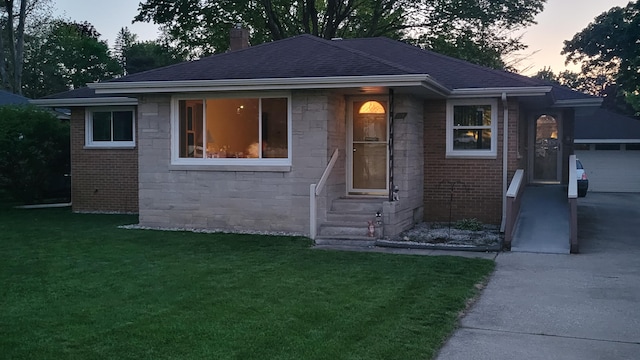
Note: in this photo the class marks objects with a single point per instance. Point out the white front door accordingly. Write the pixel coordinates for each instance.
(368, 160)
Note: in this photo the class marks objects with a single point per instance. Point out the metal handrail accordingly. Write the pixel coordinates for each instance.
(315, 190)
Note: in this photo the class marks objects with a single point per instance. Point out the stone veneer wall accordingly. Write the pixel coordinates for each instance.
(476, 183)
(408, 167)
(102, 180)
(336, 139)
(236, 200)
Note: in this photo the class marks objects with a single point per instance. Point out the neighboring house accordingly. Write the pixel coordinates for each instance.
(7, 98)
(608, 144)
(234, 141)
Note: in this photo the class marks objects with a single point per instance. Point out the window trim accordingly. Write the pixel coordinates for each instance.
(112, 144)
(477, 154)
(228, 164)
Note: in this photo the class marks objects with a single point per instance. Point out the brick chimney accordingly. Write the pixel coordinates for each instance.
(239, 37)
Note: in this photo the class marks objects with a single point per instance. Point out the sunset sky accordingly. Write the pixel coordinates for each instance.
(560, 20)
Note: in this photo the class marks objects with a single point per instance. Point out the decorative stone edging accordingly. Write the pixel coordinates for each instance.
(427, 246)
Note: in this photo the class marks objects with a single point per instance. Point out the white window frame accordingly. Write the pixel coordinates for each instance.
(231, 164)
(90, 143)
(472, 153)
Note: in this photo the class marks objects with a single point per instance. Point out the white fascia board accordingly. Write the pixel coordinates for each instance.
(497, 92)
(606, 141)
(99, 101)
(596, 102)
(334, 82)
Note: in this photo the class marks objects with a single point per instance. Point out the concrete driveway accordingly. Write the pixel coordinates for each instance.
(545, 306)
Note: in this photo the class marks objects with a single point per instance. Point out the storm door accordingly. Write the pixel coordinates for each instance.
(547, 150)
(368, 159)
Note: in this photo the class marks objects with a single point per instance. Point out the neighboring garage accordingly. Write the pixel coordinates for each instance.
(608, 144)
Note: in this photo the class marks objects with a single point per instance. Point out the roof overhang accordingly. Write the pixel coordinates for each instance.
(96, 101)
(336, 82)
(497, 92)
(578, 103)
(606, 141)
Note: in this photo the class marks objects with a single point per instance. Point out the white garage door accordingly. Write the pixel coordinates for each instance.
(611, 170)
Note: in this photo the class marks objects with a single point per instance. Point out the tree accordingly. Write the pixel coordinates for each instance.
(592, 83)
(124, 40)
(11, 68)
(147, 55)
(34, 150)
(70, 56)
(476, 30)
(609, 45)
(19, 21)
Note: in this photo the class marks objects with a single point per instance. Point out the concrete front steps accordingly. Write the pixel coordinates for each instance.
(347, 222)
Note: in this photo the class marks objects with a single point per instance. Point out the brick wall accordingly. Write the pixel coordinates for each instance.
(102, 180)
(464, 188)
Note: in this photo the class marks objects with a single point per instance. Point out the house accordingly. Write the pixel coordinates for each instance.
(241, 141)
(608, 144)
(7, 98)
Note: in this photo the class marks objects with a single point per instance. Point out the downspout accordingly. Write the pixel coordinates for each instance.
(391, 118)
(505, 159)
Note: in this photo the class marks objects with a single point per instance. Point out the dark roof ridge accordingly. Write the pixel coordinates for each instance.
(336, 43)
(512, 75)
(182, 63)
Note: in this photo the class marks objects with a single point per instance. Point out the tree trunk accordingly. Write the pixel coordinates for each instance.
(273, 24)
(8, 4)
(310, 15)
(4, 81)
(19, 58)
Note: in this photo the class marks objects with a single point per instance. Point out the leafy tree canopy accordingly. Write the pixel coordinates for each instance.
(136, 56)
(611, 44)
(596, 82)
(475, 30)
(69, 56)
(147, 55)
(34, 149)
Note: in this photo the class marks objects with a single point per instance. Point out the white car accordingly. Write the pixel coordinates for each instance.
(583, 182)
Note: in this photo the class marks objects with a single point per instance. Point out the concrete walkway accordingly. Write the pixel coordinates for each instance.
(543, 224)
(547, 306)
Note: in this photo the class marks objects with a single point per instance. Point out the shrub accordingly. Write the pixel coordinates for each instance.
(34, 148)
(469, 224)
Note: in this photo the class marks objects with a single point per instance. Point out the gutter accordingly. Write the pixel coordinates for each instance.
(97, 101)
(574, 103)
(331, 82)
(501, 91)
(505, 162)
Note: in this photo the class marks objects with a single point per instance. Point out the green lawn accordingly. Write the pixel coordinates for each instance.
(76, 287)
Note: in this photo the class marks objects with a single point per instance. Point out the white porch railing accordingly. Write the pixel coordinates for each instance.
(514, 199)
(314, 191)
(572, 195)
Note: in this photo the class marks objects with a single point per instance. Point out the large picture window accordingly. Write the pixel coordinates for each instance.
(471, 128)
(233, 128)
(110, 127)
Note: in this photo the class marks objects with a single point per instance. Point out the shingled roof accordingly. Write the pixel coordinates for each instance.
(310, 56)
(7, 98)
(314, 60)
(603, 124)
